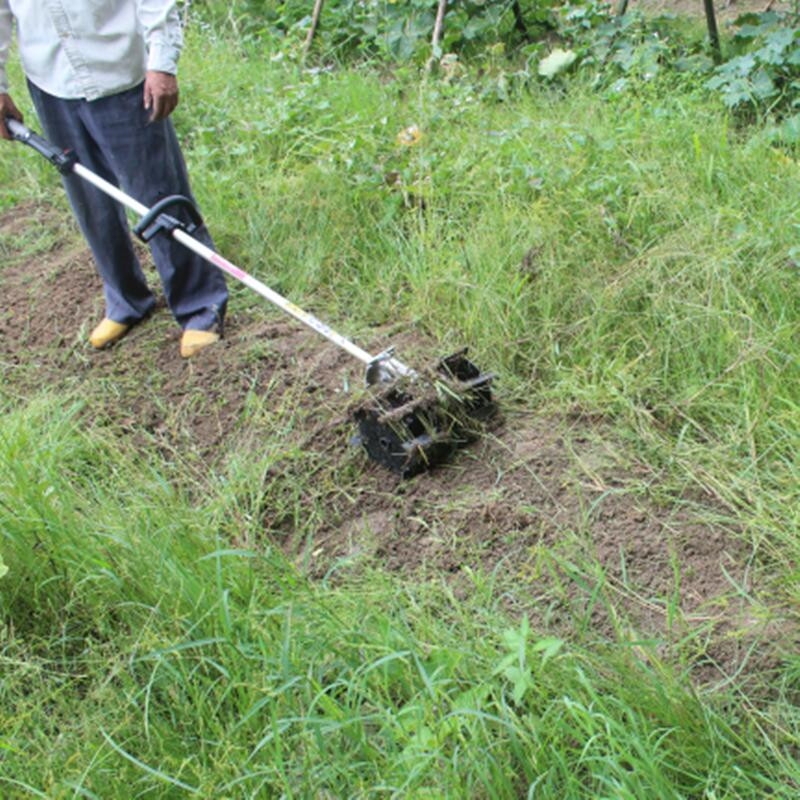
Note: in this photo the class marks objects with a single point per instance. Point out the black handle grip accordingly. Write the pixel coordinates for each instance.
(155, 221)
(63, 160)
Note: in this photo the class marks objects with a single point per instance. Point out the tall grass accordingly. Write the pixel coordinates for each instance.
(653, 233)
(632, 253)
(143, 654)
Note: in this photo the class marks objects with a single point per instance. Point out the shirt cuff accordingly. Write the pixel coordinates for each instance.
(163, 58)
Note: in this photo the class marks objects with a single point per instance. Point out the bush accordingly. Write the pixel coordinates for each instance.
(764, 76)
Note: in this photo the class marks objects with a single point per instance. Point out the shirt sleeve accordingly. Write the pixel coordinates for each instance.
(162, 34)
(6, 28)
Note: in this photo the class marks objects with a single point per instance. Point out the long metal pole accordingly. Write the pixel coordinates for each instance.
(25, 135)
(237, 272)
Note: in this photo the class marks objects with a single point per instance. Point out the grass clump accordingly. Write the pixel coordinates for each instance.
(145, 652)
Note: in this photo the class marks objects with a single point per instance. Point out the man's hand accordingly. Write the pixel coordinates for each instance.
(160, 94)
(7, 109)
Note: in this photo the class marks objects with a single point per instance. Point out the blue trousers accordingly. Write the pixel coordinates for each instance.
(113, 138)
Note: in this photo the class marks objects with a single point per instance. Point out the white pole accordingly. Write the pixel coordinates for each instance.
(243, 277)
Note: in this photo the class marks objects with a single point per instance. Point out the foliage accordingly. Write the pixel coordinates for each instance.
(761, 77)
(624, 51)
(619, 255)
(399, 31)
(765, 74)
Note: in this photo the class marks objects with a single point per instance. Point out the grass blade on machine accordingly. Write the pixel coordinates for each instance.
(410, 420)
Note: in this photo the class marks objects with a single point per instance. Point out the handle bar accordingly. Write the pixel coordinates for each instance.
(63, 160)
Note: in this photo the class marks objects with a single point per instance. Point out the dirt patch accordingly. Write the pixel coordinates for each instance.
(726, 11)
(553, 506)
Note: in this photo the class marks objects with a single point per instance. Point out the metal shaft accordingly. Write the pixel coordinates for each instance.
(388, 363)
(236, 272)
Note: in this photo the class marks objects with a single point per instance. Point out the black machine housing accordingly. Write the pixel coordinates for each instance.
(411, 434)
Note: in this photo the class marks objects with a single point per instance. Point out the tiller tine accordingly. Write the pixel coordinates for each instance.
(408, 433)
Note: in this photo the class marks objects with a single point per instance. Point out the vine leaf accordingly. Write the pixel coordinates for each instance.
(556, 62)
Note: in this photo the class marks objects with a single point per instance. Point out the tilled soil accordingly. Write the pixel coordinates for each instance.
(554, 506)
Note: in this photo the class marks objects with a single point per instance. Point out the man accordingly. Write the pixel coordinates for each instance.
(102, 77)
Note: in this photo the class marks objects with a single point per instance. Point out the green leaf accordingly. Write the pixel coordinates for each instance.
(521, 680)
(752, 25)
(741, 65)
(624, 56)
(548, 647)
(773, 51)
(789, 130)
(556, 62)
(736, 92)
(763, 85)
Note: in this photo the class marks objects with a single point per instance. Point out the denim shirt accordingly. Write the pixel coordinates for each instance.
(90, 48)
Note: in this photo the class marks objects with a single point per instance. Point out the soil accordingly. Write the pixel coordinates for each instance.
(553, 506)
(726, 11)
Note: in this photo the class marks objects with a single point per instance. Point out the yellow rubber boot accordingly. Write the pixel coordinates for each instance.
(192, 342)
(106, 333)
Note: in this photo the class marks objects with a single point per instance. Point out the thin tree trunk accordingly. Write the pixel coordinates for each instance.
(315, 14)
(713, 33)
(437, 31)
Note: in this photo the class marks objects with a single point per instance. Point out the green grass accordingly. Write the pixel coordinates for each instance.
(629, 256)
(147, 652)
(658, 284)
